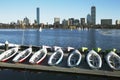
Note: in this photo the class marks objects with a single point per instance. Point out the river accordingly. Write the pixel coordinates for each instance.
(92, 38)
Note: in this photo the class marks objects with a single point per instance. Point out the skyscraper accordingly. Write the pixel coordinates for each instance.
(88, 19)
(38, 16)
(93, 15)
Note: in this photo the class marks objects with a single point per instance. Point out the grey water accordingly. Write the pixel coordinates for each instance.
(92, 38)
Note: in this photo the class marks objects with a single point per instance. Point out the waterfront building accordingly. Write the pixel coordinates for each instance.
(106, 21)
(76, 22)
(117, 22)
(26, 21)
(88, 19)
(65, 22)
(71, 21)
(82, 21)
(19, 22)
(93, 15)
(56, 22)
(38, 16)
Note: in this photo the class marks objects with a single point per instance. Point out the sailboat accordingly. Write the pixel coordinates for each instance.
(40, 29)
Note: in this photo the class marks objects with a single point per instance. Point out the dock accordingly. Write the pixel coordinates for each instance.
(54, 69)
(82, 69)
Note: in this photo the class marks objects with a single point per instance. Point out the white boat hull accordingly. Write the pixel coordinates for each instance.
(56, 57)
(22, 55)
(38, 56)
(94, 60)
(8, 54)
(113, 60)
(74, 59)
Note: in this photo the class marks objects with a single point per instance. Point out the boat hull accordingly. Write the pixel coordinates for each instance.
(113, 60)
(5, 56)
(74, 59)
(38, 57)
(56, 57)
(94, 60)
(22, 55)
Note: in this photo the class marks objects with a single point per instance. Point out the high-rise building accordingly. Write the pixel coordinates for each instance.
(76, 22)
(26, 21)
(65, 22)
(38, 16)
(82, 21)
(56, 20)
(93, 15)
(88, 19)
(71, 21)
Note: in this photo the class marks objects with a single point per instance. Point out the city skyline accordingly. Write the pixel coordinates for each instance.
(12, 10)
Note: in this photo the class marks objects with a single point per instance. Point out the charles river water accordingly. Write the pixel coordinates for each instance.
(92, 38)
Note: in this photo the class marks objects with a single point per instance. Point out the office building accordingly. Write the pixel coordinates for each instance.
(26, 21)
(93, 15)
(88, 19)
(82, 21)
(38, 16)
(117, 22)
(106, 21)
(71, 21)
(65, 22)
(56, 20)
(76, 22)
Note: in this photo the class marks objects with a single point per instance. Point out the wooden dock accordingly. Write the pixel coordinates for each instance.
(77, 71)
(82, 69)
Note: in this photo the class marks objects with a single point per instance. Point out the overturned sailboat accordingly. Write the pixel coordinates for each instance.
(94, 60)
(113, 60)
(74, 58)
(56, 57)
(8, 54)
(22, 55)
(38, 56)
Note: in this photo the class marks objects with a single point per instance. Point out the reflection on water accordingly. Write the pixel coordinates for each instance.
(26, 75)
(92, 38)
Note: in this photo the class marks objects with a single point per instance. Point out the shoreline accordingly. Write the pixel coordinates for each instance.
(7, 26)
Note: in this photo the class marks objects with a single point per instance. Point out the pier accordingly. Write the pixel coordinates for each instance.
(82, 69)
(56, 69)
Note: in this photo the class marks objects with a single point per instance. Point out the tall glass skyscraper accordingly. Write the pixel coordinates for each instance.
(93, 15)
(38, 16)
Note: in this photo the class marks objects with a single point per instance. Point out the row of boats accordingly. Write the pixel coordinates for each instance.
(74, 59)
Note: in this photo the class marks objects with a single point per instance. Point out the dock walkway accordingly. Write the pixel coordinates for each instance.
(82, 69)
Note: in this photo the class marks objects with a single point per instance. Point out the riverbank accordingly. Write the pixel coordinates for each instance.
(7, 26)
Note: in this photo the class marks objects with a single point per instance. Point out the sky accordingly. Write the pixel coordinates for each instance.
(13, 10)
